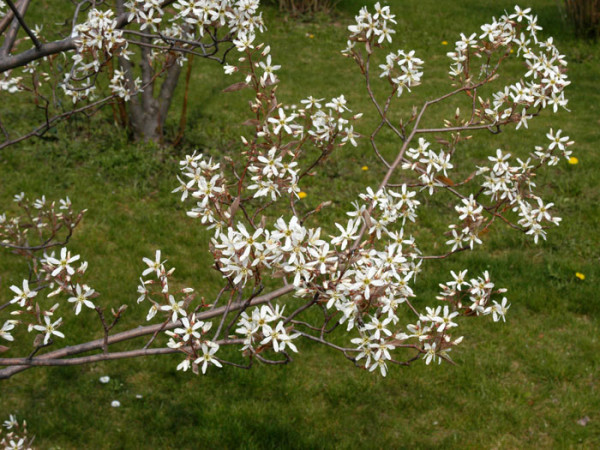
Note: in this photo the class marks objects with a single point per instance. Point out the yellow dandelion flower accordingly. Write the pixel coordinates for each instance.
(311, 36)
(511, 50)
(302, 194)
(364, 168)
(444, 42)
(573, 160)
(580, 276)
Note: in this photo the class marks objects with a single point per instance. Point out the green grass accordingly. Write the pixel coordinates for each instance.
(523, 384)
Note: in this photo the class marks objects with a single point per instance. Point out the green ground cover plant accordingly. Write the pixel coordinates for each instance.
(525, 383)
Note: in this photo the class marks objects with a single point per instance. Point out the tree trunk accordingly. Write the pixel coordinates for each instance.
(148, 113)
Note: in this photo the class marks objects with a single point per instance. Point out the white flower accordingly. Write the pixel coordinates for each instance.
(445, 321)
(229, 69)
(152, 312)
(82, 298)
(379, 327)
(175, 307)
(9, 325)
(115, 403)
(499, 310)
(208, 356)
(11, 422)
(348, 234)
(268, 70)
(104, 379)
(430, 353)
(190, 329)
(154, 266)
(282, 122)
(63, 264)
(22, 295)
(49, 329)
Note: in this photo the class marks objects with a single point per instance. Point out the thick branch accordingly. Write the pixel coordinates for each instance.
(166, 91)
(86, 359)
(101, 357)
(141, 331)
(51, 48)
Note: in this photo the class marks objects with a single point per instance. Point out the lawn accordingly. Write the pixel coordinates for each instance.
(521, 384)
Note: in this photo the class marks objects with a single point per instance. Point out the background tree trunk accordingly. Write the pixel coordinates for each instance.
(147, 112)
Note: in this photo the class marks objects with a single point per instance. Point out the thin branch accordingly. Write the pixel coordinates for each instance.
(39, 131)
(19, 17)
(328, 344)
(43, 246)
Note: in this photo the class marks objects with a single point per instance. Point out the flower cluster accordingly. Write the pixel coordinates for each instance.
(14, 435)
(189, 333)
(363, 273)
(157, 291)
(373, 26)
(10, 84)
(194, 25)
(189, 339)
(59, 274)
(429, 164)
(119, 85)
(42, 221)
(96, 39)
(241, 17)
(403, 70)
(38, 225)
(265, 327)
(544, 82)
(512, 184)
(478, 291)
(509, 187)
(271, 158)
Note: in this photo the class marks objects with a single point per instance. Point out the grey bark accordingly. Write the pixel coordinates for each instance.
(13, 29)
(148, 112)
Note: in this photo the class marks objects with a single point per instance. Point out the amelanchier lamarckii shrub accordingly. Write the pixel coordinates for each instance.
(129, 55)
(346, 285)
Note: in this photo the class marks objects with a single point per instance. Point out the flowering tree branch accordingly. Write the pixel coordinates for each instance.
(355, 278)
